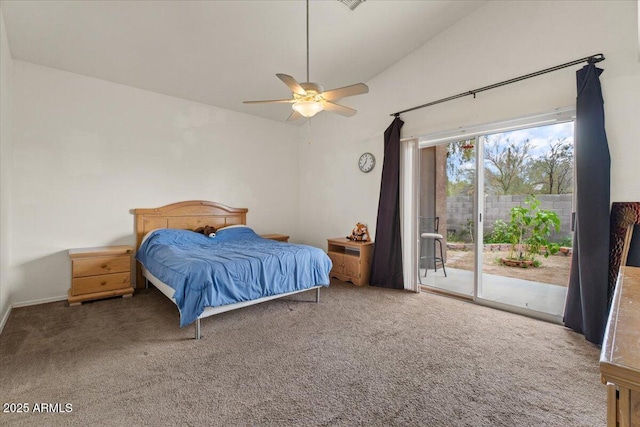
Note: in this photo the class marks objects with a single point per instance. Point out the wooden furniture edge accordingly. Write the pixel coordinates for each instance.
(163, 210)
(100, 251)
(611, 372)
(346, 242)
(75, 300)
(183, 212)
(276, 236)
(619, 357)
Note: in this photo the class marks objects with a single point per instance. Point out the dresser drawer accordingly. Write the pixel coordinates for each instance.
(105, 282)
(101, 265)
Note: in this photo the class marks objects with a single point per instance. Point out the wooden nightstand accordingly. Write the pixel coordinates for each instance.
(278, 237)
(351, 260)
(100, 273)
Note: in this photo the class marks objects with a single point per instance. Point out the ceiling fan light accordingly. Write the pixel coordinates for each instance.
(308, 108)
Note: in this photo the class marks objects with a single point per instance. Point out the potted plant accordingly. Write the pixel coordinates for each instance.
(528, 232)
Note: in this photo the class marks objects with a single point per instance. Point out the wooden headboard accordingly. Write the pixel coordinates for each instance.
(187, 215)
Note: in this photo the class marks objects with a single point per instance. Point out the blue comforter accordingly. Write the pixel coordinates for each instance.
(235, 265)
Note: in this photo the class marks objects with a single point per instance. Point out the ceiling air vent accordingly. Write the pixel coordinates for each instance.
(352, 4)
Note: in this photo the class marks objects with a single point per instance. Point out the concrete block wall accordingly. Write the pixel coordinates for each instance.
(460, 211)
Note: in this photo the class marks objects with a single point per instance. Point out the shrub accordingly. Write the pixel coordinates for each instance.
(530, 228)
(566, 241)
(500, 233)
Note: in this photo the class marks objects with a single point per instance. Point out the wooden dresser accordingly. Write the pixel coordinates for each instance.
(100, 273)
(351, 260)
(620, 357)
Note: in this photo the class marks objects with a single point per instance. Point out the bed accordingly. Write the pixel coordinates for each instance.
(206, 275)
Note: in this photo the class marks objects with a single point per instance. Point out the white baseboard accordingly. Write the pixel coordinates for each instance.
(5, 318)
(38, 301)
(26, 304)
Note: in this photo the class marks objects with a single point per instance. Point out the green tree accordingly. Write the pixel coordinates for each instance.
(507, 163)
(552, 173)
(461, 167)
(529, 229)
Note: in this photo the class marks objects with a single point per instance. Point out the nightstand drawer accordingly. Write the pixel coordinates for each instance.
(100, 272)
(105, 282)
(101, 265)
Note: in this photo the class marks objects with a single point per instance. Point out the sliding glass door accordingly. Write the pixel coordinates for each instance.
(494, 215)
(446, 217)
(527, 205)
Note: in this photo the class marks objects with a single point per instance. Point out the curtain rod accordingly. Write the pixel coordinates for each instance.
(593, 59)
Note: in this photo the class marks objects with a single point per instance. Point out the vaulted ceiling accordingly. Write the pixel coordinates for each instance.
(223, 52)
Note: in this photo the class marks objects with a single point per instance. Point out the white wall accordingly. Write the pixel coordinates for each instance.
(83, 152)
(5, 149)
(87, 151)
(499, 41)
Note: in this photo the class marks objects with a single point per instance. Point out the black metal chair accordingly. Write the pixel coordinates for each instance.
(429, 231)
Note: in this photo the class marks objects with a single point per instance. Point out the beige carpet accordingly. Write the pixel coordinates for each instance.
(363, 356)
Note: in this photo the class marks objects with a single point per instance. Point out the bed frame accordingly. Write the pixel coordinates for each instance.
(190, 215)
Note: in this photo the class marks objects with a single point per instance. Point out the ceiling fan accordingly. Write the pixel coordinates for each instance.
(310, 98)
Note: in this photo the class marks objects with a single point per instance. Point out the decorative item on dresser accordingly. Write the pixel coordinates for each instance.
(101, 272)
(351, 260)
(277, 237)
(620, 357)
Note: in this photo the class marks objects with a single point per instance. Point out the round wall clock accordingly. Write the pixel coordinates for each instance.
(367, 162)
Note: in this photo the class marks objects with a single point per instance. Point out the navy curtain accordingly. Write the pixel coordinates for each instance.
(386, 268)
(586, 306)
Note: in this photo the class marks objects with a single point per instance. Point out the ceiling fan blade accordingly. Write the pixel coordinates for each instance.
(271, 101)
(340, 109)
(356, 89)
(294, 116)
(292, 84)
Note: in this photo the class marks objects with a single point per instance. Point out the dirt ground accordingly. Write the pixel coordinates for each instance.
(553, 270)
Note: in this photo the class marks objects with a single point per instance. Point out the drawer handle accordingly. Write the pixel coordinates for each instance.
(103, 283)
(106, 267)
